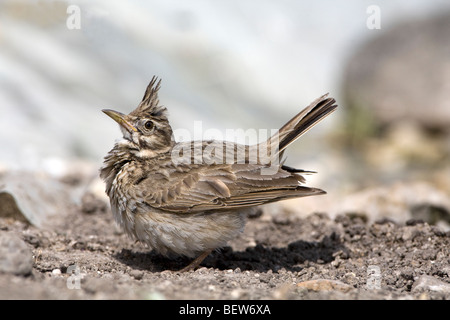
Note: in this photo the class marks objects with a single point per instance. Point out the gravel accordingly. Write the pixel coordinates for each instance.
(85, 256)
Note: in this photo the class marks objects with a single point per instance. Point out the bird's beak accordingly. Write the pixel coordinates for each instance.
(121, 119)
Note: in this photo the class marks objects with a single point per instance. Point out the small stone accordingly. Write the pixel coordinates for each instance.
(15, 255)
(336, 263)
(429, 283)
(56, 272)
(414, 222)
(350, 278)
(202, 270)
(409, 233)
(137, 274)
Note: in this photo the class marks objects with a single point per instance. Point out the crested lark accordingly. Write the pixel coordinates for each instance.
(194, 205)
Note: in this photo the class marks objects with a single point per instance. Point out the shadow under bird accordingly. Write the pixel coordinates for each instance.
(196, 205)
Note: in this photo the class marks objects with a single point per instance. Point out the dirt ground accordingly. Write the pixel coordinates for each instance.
(86, 256)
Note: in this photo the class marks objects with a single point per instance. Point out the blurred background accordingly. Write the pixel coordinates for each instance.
(238, 64)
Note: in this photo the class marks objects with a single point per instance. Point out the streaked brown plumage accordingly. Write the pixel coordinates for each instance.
(193, 206)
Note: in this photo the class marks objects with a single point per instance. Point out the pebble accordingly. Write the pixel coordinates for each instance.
(351, 278)
(56, 272)
(15, 255)
(137, 274)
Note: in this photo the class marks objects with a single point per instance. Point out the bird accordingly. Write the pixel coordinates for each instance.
(190, 198)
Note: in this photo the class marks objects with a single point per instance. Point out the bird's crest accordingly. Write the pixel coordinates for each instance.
(150, 102)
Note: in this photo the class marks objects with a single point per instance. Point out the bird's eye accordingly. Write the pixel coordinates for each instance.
(148, 125)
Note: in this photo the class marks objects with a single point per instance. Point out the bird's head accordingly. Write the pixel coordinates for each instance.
(146, 130)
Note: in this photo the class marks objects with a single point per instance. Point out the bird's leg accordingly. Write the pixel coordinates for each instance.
(194, 264)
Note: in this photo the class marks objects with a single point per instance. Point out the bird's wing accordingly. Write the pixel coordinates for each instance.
(220, 187)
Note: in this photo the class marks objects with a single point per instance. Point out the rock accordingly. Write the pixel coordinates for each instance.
(429, 283)
(15, 255)
(409, 233)
(403, 74)
(430, 213)
(9, 209)
(399, 202)
(56, 272)
(136, 274)
(324, 285)
(33, 197)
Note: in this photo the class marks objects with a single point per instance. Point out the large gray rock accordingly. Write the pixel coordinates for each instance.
(403, 74)
(33, 197)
